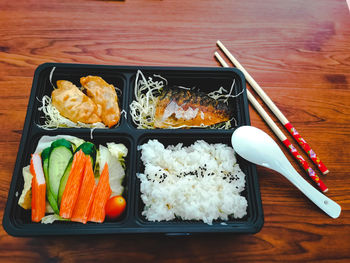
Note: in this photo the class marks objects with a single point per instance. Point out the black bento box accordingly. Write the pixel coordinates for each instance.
(17, 221)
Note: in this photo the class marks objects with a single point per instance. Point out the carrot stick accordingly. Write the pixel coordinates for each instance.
(38, 188)
(86, 194)
(72, 188)
(103, 193)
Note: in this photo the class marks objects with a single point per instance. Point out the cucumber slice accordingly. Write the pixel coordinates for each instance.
(62, 142)
(63, 181)
(60, 154)
(45, 159)
(89, 149)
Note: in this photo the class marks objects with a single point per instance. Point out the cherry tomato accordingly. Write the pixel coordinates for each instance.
(115, 207)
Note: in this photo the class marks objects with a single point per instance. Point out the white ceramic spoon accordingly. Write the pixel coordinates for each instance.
(258, 147)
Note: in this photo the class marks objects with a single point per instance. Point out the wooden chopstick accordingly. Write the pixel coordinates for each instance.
(279, 133)
(275, 110)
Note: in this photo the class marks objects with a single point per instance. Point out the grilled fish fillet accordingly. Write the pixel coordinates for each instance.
(104, 96)
(73, 104)
(177, 107)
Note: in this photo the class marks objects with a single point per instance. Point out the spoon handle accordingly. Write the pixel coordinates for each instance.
(323, 202)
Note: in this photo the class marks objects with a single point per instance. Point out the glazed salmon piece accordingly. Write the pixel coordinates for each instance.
(177, 107)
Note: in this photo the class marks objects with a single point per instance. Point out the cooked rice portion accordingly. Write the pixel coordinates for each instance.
(200, 182)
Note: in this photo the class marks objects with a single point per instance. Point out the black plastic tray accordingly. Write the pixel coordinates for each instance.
(17, 221)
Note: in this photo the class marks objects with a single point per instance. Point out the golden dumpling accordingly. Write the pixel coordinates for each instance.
(104, 96)
(73, 104)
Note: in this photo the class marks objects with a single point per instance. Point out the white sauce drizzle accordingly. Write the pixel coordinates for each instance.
(180, 113)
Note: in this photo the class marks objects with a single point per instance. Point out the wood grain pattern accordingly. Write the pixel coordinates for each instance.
(298, 51)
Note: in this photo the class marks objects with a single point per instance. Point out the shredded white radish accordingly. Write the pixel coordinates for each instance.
(54, 120)
(123, 112)
(50, 77)
(143, 108)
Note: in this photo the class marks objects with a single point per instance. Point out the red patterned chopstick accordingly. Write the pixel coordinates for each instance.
(305, 165)
(280, 135)
(306, 147)
(275, 110)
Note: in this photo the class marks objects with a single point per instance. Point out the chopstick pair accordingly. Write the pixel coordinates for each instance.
(272, 124)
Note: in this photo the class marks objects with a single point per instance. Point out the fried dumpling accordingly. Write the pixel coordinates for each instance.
(73, 104)
(104, 96)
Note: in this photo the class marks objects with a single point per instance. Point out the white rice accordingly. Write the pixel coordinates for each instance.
(199, 182)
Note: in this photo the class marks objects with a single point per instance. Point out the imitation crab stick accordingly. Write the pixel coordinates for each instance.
(86, 194)
(71, 191)
(38, 188)
(103, 193)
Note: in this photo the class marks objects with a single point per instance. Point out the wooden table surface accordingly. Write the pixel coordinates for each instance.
(298, 51)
